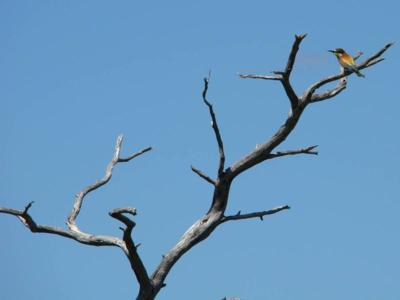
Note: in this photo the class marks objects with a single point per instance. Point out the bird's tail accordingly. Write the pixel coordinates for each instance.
(357, 71)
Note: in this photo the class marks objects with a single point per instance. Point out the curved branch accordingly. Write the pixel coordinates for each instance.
(84, 238)
(106, 178)
(126, 244)
(341, 86)
(131, 249)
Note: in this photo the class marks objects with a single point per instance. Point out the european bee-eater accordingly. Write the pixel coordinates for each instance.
(346, 61)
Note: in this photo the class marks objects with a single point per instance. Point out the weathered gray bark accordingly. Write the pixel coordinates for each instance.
(149, 286)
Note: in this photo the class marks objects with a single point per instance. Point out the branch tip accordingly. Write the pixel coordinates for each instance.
(27, 207)
(389, 45)
(300, 36)
(202, 175)
(259, 214)
(120, 138)
(307, 150)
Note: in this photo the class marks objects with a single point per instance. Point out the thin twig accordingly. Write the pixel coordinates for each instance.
(357, 56)
(367, 62)
(202, 175)
(136, 154)
(265, 77)
(307, 150)
(259, 214)
(214, 125)
(28, 207)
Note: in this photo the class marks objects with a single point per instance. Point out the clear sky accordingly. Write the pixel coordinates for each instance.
(75, 74)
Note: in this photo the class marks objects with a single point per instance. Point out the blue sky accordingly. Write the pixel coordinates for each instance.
(75, 74)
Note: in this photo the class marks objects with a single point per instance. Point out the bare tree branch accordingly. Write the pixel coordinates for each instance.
(370, 61)
(357, 56)
(284, 76)
(262, 152)
(259, 214)
(215, 128)
(126, 244)
(131, 249)
(118, 213)
(205, 225)
(136, 154)
(106, 178)
(374, 62)
(294, 100)
(293, 53)
(341, 86)
(202, 175)
(88, 239)
(265, 77)
(307, 150)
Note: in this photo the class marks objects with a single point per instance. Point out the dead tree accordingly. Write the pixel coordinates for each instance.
(150, 285)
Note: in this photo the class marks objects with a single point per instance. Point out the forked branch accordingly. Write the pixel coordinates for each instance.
(88, 239)
(126, 244)
(309, 96)
(131, 249)
(263, 151)
(284, 76)
(106, 178)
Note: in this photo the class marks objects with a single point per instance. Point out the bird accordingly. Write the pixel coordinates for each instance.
(346, 61)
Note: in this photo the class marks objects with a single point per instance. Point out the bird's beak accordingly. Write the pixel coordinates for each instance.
(331, 51)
